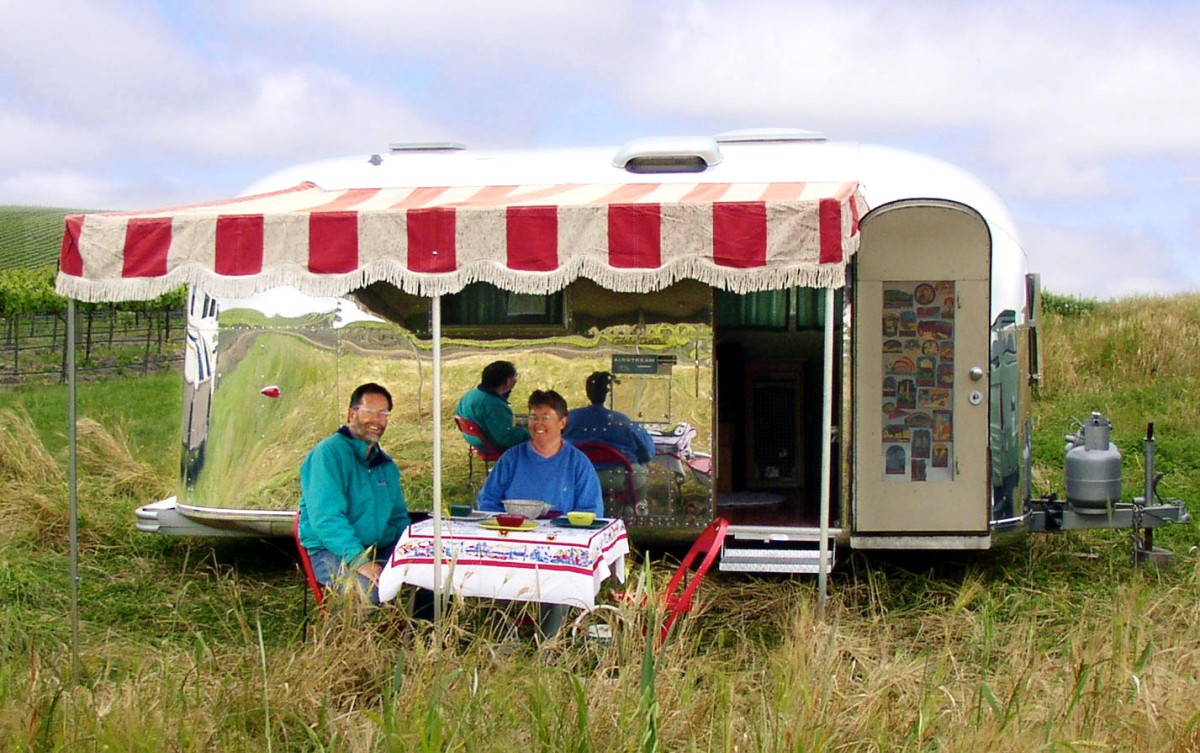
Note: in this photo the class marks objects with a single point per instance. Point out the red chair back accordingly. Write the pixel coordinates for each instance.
(681, 591)
(306, 565)
(599, 452)
(471, 429)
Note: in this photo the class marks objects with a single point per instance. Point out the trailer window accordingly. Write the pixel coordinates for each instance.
(767, 309)
(482, 304)
(810, 308)
(795, 308)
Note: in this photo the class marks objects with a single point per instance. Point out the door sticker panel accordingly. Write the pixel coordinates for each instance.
(918, 380)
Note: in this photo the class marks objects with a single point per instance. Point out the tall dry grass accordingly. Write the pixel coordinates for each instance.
(962, 675)
(1047, 643)
(34, 483)
(1127, 342)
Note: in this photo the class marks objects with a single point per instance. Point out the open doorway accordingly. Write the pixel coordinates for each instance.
(769, 358)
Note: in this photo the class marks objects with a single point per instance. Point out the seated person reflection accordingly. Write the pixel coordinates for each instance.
(545, 468)
(595, 423)
(487, 407)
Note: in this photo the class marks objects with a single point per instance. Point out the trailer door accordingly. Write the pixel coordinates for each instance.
(921, 336)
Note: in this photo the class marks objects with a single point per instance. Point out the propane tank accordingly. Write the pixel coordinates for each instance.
(1093, 467)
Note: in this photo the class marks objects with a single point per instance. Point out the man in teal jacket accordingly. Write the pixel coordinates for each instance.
(352, 508)
(487, 406)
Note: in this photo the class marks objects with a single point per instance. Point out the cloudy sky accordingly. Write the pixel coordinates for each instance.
(1083, 114)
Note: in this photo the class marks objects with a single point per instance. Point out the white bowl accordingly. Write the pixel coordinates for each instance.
(530, 508)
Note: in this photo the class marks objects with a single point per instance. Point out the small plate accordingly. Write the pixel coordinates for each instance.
(491, 524)
(564, 523)
(475, 515)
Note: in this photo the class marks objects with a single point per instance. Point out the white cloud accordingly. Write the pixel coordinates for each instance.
(27, 140)
(100, 62)
(1074, 81)
(56, 188)
(295, 113)
(1072, 106)
(938, 63)
(1049, 91)
(1053, 178)
(111, 83)
(458, 34)
(1102, 261)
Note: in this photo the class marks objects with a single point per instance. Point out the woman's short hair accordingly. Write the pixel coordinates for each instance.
(550, 399)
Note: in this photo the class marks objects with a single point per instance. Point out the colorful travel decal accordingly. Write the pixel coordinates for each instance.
(917, 394)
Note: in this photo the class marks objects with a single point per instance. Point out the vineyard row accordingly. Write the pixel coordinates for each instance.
(108, 343)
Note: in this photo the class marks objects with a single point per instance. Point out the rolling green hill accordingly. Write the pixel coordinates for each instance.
(30, 236)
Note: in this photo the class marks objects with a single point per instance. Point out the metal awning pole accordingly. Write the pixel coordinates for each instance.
(826, 454)
(437, 459)
(72, 491)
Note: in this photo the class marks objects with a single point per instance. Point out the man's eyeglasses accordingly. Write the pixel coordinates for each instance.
(374, 412)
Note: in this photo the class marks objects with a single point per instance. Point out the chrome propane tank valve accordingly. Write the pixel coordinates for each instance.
(1093, 467)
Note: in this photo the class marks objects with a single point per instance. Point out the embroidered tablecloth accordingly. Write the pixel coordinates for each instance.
(549, 564)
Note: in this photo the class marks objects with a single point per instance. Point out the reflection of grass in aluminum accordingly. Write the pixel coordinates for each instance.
(256, 445)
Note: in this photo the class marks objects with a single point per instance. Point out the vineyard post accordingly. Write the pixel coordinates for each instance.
(68, 343)
(87, 337)
(150, 321)
(69, 340)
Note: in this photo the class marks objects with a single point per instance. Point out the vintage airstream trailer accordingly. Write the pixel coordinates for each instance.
(834, 343)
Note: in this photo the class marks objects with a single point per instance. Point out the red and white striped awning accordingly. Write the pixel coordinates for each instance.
(430, 241)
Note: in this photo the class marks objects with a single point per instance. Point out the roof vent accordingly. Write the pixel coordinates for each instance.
(427, 146)
(693, 154)
(767, 136)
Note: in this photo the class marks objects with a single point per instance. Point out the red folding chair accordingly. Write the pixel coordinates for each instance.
(486, 452)
(680, 594)
(599, 452)
(681, 590)
(306, 565)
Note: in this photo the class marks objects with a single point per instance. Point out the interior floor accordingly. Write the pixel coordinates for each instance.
(774, 508)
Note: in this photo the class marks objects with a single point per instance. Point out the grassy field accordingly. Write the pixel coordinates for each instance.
(1046, 643)
(30, 236)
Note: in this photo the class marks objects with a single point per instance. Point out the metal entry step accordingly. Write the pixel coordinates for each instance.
(798, 557)
(777, 549)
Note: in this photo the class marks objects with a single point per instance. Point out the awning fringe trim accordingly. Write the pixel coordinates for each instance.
(429, 285)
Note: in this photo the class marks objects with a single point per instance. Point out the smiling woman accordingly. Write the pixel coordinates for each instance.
(547, 419)
(544, 468)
